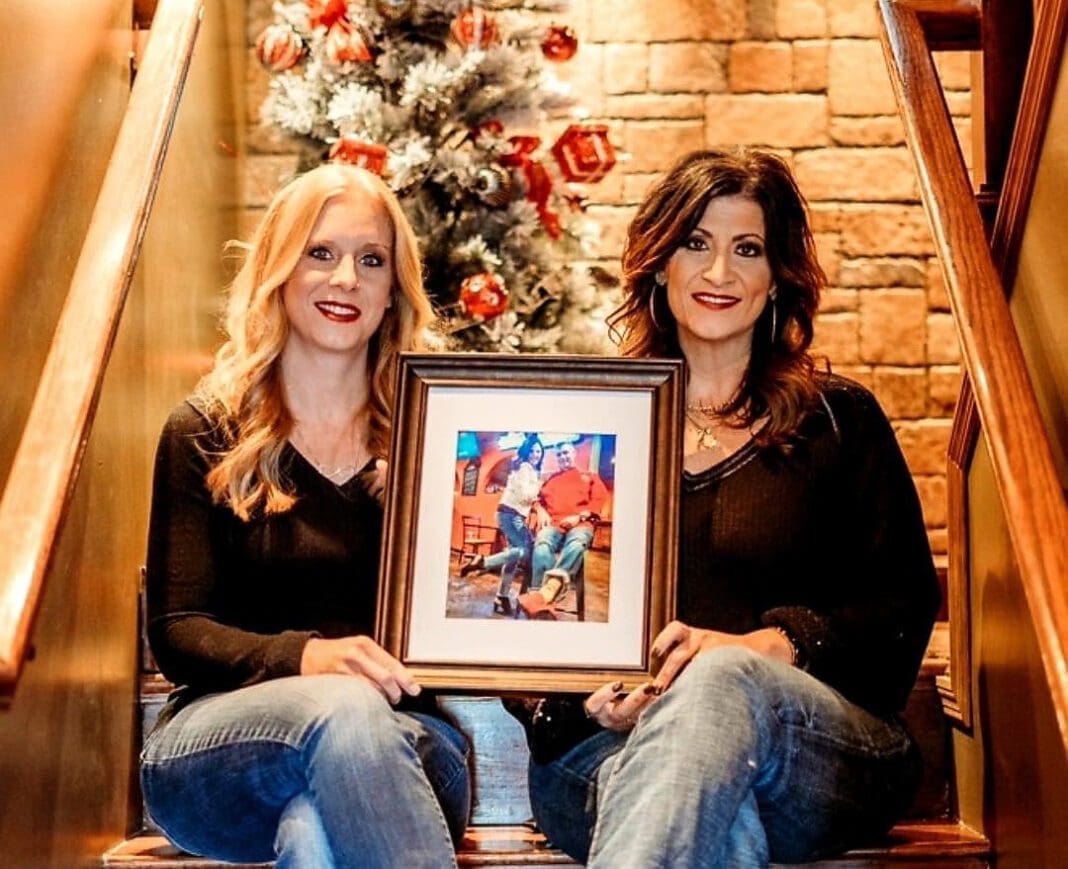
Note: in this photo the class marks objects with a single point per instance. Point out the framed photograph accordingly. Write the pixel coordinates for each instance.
(531, 520)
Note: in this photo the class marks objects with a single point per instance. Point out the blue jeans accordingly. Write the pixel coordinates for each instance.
(742, 761)
(515, 530)
(316, 771)
(571, 545)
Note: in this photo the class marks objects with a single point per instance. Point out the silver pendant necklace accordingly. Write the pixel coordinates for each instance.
(336, 474)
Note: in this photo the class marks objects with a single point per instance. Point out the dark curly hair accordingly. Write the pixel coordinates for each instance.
(523, 453)
(780, 380)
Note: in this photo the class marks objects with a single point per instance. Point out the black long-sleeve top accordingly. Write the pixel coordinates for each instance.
(231, 603)
(827, 542)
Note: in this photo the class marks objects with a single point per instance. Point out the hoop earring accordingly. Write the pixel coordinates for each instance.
(652, 311)
(774, 319)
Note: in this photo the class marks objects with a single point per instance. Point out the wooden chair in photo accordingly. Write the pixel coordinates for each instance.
(476, 535)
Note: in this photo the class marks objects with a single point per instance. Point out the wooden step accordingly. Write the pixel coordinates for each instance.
(942, 844)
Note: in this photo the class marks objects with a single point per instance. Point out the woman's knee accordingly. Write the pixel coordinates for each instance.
(732, 674)
(349, 717)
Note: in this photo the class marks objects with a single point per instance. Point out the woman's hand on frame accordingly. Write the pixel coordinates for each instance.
(376, 481)
(359, 656)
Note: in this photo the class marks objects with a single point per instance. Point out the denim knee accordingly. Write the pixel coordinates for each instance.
(563, 793)
(726, 671)
(352, 723)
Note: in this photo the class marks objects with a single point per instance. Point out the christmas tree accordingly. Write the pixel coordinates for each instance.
(430, 93)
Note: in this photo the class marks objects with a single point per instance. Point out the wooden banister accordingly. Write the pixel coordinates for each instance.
(1028, 484)
(46, 463)
(949, 25)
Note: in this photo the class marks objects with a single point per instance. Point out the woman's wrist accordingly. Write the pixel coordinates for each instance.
(783, 647)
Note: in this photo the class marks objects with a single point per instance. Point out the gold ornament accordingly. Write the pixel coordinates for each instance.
(393, 10)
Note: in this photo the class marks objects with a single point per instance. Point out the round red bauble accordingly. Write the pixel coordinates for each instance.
(346, 43)
(367, 155)
(475, 28)
(483, 296)
(560, 43)
(326, 13)
(584, 153)
(279, 48)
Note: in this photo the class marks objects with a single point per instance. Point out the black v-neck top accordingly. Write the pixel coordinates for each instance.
(827, 542)
(232, 603)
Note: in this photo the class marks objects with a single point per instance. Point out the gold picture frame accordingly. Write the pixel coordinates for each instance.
(459, 425)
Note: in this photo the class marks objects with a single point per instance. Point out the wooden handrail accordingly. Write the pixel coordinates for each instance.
(949, 25)
(1026, 476)
(45, 467)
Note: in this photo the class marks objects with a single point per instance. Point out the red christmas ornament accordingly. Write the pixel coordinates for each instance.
(475, 28)
(492, 127)
(560, 43)
(346, 43)
(584, 153)
(483, 296)
(522, 148)
(326, 13)
(538, 182)
(279, 48)
(550, 222)
(367, 155)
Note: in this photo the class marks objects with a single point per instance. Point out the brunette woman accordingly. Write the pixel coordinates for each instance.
(513, 518)
(806, 589)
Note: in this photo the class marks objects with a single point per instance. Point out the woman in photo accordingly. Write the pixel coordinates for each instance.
(293, 736)
(806, 588)
(513, 518)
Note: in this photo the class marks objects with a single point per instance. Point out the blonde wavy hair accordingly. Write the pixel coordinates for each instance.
(243, 391)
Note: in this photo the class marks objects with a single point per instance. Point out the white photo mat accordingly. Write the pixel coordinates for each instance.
(433, 638)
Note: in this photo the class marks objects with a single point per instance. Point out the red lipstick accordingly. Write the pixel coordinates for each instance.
(338, 312)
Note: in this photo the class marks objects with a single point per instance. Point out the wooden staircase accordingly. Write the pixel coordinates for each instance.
(942, 844)
(502, 834)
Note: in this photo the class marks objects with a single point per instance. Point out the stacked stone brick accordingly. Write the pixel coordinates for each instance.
(807, 79)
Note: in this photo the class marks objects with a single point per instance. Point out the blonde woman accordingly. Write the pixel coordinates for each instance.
(293, 735)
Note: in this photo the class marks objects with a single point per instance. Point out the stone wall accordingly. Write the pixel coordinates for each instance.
(805, 78)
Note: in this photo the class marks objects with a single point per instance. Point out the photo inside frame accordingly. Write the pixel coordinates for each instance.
(531, 533)
(473, 598)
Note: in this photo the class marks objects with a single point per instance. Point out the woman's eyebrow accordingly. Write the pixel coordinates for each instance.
(737, 237)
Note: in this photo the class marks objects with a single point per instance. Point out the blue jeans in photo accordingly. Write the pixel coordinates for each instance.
(514, 527)
(743, 760)
(570, 545)
(318, 772)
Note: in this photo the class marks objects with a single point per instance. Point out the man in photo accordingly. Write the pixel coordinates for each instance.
(569, 504)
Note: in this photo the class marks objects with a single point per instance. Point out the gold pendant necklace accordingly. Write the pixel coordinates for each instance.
(706, 435)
